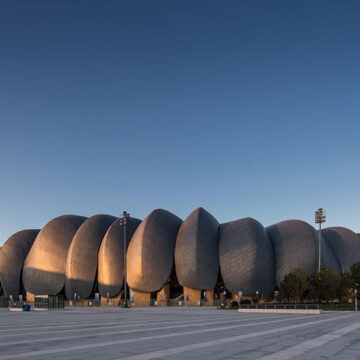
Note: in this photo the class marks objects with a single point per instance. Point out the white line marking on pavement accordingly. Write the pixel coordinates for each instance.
(305, 346)
(180, 349)
(126, 331)
(137, 339)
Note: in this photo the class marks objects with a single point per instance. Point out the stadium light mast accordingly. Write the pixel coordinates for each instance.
(124, 221)
(320, 217)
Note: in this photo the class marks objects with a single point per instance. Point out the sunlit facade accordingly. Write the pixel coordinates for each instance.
(167, 258)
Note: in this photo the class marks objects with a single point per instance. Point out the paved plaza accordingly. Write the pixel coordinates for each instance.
(176, 333)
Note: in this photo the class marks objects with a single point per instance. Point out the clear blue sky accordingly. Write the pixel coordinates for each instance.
(247, 108)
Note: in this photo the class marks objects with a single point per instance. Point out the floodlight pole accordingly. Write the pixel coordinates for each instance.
(319, 246)
(124, 222)
(320, 217)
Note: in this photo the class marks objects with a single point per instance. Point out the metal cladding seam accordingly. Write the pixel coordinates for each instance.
(197, 251)
(44, 267)
(12, 257)
(82, 259)
(150, 255)
(111, 257)
(246, 257)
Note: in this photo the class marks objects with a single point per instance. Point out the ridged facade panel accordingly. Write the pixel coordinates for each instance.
(44, 268)
(150, 255)
(295, 245)
(246, 257)
(111, 257)
(81, 262)
(345, 244)
(197, 251)
(12, 257)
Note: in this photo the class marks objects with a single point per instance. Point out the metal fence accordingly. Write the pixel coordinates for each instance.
(4, 303)
(116, 303)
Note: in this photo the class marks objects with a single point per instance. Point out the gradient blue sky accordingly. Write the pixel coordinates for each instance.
(247, 108)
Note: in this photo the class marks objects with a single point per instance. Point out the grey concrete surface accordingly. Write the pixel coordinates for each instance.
(176, 333)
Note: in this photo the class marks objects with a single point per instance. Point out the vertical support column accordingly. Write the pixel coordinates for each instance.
(163, 295)
(140, 298)
(192, 297)
(114, 301)
(209, 297)
(30, 297)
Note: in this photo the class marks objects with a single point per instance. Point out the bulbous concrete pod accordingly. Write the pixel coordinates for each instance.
(82, 259)
(111, 257)
(246, 257)
(197, 251)
(44, 268)
(150, 255)
(12, 257)
(345, 245)
(295, 245)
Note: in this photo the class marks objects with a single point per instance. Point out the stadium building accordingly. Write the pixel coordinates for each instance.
(167, 258)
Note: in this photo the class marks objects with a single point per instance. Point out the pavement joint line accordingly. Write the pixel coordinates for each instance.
(123, 324)
(146, 338)
(76, 324)
(300, 349)
(180, 349)
(81, 336)
(105, 325)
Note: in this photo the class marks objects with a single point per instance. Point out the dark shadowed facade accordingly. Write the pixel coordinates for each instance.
(150, 254)
(345, 244)
(197, 251)
(12, 257)
(44, 268)
(111, 257)
(81, 262)
(246, 257)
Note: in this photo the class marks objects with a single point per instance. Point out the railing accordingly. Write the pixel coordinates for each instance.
(4, 303)
(224, 304)
(49, 302)
(121, 303)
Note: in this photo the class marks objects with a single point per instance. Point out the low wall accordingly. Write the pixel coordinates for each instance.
(282, 311)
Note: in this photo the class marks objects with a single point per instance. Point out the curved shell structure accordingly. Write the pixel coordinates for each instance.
(197, 251)
(81, 262)
(344, 243)
(150, 255)
(44, 268)
(111, 257)
(82, 255)
(12, 258)
(295, 245)
(246, 257)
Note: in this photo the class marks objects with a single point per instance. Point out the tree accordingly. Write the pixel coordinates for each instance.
(324, 285)
(343, 285)
(355, 273)
(294, 286)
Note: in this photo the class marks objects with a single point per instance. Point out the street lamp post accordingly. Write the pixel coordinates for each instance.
(320, 217)
(124, 221)
(356, 296)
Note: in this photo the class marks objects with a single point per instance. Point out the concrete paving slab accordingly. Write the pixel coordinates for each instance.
(176, 333)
